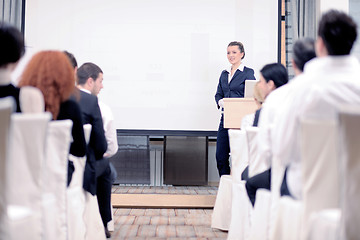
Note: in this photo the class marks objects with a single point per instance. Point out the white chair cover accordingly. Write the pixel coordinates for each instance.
(255, 166)
(260, 216)
(94, 226)
(320, 169)
(240, 212)
(288, 220)
(31, 100)
(241, 206)
(24, 173)
(239, 153)
(6, 109)
(349, 119)
(325, 224)
(76, 196)
(221, 215)
(55, 179)
(222, 212)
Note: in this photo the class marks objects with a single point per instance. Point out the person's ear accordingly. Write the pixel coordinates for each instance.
(320, 48)
(271, 85)
(89, 82)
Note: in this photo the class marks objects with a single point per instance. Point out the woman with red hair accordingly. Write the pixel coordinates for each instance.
(51, 72)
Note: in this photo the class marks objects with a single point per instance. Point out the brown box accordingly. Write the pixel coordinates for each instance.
(235, 109)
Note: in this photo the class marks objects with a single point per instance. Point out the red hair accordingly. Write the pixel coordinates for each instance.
(51, 72)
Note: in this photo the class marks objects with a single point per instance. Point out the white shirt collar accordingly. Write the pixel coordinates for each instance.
(84, 90)
(5, 76)
(241, 68)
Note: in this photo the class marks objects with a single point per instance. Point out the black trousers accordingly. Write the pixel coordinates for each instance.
(103, 189)
(222, 149)
(262, 180)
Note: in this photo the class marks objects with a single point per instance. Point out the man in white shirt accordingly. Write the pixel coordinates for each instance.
(303, 51)
(328, 80)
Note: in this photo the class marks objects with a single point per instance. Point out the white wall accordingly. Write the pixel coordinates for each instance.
(326, 5)
(161, 58)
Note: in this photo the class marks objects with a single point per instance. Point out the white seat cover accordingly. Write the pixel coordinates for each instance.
(55, 179)
(24, 170)
(76, 195)
(6, 109)
(349, 120)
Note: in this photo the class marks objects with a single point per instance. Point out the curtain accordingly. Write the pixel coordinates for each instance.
(300, 22)
(11, 12)
(304, 18)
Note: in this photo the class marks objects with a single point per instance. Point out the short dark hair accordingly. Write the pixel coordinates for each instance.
(338, 31)
(240, 45)
(303, 51)
(12, 46)
(86, 71)
(72, 59)
(275, 72)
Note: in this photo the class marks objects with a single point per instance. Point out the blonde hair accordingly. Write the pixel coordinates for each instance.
(257, 94)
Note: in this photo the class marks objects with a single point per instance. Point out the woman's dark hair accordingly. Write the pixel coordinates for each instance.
(72, 59)
(275, 72)
(240, 45)
(12, 46)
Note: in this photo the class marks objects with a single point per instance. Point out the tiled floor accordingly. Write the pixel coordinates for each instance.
(164, 223)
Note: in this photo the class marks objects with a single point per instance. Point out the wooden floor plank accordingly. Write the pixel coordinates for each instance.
(162, 201)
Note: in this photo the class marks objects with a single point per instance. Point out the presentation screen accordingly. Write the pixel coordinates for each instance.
(161, 59)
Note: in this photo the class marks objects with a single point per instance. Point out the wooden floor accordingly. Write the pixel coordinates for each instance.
(143, 212)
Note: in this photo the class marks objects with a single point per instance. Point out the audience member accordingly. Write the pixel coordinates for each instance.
(251, 119)
(328, 80)
(12, 49)
(51, 72)
(303, 51)
(90, 78)
(272, 76)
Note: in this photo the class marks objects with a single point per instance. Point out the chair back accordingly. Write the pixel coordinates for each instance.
(239, 153)
(27, 152)
(319, 159)
(251, 136)
(55, 179)
(31, 100)
(349, 120)
(26, 158)
(6, 108)
(76, 195)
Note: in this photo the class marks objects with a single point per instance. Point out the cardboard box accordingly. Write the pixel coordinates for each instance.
(235, 109)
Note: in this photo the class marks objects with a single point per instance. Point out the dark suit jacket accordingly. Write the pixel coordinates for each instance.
(236, 86)
(11, 90)
(256, 119)
(97, 145)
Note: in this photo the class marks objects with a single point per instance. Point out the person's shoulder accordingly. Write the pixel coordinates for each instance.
(70, 105)
(247, 69)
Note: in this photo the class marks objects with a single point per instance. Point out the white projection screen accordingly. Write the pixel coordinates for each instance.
(161, 58)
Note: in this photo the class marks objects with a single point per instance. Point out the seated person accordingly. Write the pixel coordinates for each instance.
(303, 51)
(272, 76)
(252, 119)
(55, 79)
(12, 49)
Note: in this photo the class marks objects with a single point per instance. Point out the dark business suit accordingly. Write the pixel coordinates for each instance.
(256, 118)
(97, 171)
(228, 90)
(11, 90)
